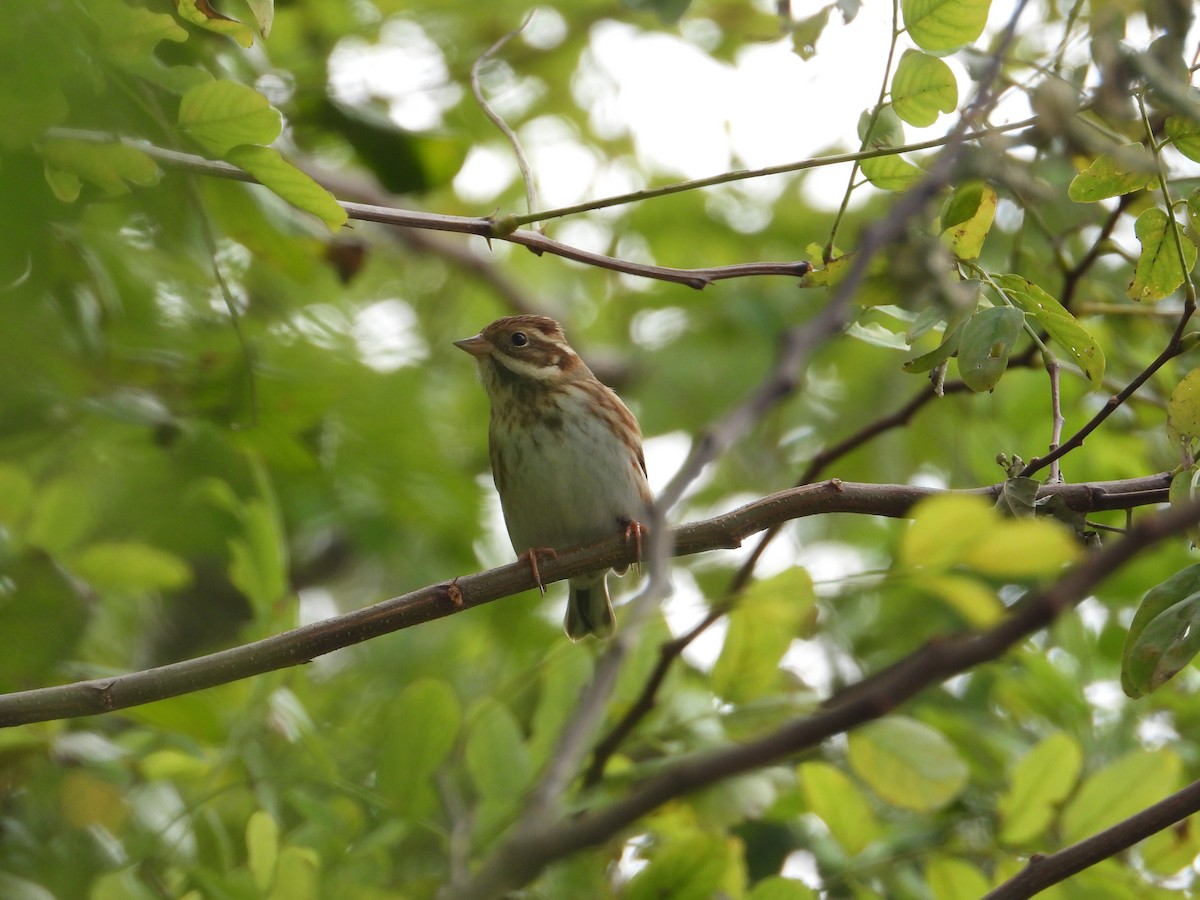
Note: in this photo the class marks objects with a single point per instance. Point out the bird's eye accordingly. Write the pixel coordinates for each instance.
(519, 339)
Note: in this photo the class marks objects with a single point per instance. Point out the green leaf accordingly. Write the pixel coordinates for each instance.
(761, 628)
(987, 341)
(955, 879)
(258, 565)
(1183, 585)
(43, 619)
(1158, 272)
(691, 868)
(1185, 135)
(776, 887)
(967, 218)
(806, 32)
(298, 189)
(128, 34)
(495, 752)
(220, 115)
(907, 763)
(1058, 322)
(297, 875)
(942, 25)
(561, 678)
(110, 167)
(839, 803)
(421, 727)
(1183, 410)
(1120, 789)
(63, 513)
(922, 88)
(16, 494)
(1165, 643)
(1041, 780)
(1171, 850)
(975, 601)
(935, 357)
(891, 173)
(888, 173)
(1124, 170)
(262, 848)
(130, 568)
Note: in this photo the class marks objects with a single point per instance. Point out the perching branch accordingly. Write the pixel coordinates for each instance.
(526, 852)
(300, 645)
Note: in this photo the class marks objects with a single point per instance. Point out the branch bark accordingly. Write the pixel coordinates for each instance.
(290, 648)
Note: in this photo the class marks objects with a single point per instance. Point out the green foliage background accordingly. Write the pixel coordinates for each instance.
(201, 442)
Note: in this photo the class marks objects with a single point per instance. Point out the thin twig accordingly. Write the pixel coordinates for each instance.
(1042, 871)
(497, 119)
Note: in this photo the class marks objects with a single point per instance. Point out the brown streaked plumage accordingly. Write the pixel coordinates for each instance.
(566, 453)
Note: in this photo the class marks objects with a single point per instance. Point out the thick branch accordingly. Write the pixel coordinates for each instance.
(436, 601)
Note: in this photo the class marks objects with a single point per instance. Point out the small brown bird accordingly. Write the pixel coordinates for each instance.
(566, 454)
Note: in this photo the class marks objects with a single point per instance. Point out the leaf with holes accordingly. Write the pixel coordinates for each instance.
(1158, 272)
(987, 341)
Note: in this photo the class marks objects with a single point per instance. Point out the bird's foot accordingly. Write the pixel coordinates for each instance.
(530, 556)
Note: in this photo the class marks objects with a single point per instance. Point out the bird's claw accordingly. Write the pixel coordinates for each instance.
(633, 534)
(530, 556)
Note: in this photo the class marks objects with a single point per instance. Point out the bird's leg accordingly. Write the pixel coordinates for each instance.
(530, 556)
(633, 534)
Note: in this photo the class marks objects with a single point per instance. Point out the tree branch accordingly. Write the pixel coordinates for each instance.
(482, 226)
(1044, 870)
(303, 644)
(527, 852)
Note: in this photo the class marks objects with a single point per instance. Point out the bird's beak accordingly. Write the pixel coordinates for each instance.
(476, 346)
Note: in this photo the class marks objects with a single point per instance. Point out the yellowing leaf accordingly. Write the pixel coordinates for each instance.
(1158, 272)
(968, 217)
(907, 763)
(943, 528)
(1022, 548)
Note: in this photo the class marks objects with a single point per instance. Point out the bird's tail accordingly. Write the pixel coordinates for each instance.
(589, 610)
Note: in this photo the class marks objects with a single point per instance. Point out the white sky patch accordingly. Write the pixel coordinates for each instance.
(387, 336)
(406, 69)
(485, 174)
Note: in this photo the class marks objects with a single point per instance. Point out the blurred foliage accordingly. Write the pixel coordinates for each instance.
(223, 412)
